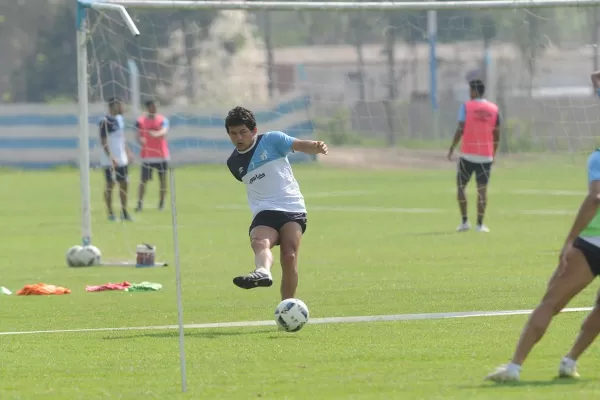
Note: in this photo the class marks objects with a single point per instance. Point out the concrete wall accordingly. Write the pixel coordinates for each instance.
(43, 136)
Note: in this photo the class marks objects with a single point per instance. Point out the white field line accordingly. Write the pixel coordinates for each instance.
(400, 210)
(330, 320)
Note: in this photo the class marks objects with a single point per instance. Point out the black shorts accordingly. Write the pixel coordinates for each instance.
(120, 174)
(591, 253)
(160, 167)
(277, 219)
(467, 168)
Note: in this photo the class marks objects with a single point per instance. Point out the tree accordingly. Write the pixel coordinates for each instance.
(51, 69)
(489, 32)
(358, 28)
(530, 36)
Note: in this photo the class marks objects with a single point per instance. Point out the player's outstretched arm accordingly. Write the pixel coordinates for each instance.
(589, 207)
(310, 146)
(587, 211)
(163, 130)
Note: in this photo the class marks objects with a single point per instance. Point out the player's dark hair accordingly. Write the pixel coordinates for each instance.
(113, 101)
(150, 103)
(477, 86)
(240, 116)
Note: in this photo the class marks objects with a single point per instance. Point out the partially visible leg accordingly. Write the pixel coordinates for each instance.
(565, 283)
(146, 174)
(563, 286)
(481, 206)
(588, 333)
(290, 237)
(483, 178)
(162, 177)
(108, 193)
(123, 186)
(262, 240)
(463, 176)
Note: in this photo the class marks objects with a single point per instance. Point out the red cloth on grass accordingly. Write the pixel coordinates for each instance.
(108, 286)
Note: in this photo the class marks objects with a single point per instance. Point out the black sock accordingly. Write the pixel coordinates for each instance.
(480, 220)
(464, 219)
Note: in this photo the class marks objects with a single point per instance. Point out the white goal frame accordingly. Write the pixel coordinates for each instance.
(119, 6)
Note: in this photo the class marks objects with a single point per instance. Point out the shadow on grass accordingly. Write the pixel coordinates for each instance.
(204, 334)
(506, 385)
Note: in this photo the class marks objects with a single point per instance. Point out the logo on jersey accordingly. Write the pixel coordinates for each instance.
(256, 177)
(264, 155)
(241, 170)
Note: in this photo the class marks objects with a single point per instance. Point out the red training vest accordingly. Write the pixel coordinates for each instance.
(154, 147)
(478, 132)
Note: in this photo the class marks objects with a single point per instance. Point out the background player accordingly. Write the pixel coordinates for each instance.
(479, 129)
(115, 156)
(152, 130)
(278, 210)
(579, 264)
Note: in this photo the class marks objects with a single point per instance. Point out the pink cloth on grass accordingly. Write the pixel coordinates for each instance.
(108, 286)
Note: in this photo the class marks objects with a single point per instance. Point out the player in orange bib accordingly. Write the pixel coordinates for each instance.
(152, 130)
(479, 133)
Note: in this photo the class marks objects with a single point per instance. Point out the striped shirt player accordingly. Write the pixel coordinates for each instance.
(152, 129)
(479, 133)
(279, 217)
(578, 266)
(114, 158)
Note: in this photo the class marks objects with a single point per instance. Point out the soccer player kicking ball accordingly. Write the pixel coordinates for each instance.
(152, 130)
(278, 210)
(115, 156)
(479, 130)
(579, 264)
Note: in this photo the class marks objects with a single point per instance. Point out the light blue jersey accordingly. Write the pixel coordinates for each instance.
(266, 171)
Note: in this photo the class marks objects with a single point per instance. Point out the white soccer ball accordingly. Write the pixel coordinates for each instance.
(88, 256)
(291, 315)
(72, 256)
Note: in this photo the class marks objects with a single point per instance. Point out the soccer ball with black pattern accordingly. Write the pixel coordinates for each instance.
(72, 253)
(291, 315)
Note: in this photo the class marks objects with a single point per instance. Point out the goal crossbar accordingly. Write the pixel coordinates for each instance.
(120, 5)
(341, 5)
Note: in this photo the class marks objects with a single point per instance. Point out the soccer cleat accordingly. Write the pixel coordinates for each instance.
(568, 369)
(139, 208)
(504, 373)
(111, 217)
(482, 228)
(465, 226)
(125, 216)
(161, 206)
(253, 279)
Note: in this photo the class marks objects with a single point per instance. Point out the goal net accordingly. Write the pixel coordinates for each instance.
(382, 86)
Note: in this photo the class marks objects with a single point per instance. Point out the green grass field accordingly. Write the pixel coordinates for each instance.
(378, 242)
